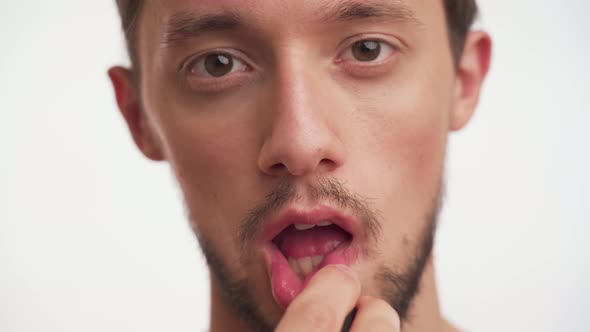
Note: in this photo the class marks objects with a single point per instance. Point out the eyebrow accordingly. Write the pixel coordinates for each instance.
(187, 24)
(395, 10)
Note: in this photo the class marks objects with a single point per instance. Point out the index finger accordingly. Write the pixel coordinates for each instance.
(322, 306)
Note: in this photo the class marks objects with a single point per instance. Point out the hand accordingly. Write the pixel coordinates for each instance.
(330, 295)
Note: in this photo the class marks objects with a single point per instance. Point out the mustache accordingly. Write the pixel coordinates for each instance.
(328, 189)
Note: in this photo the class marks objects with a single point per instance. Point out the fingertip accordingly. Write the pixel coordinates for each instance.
(376, 310)
(346, 270)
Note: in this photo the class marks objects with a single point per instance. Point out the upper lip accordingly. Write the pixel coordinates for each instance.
(314, 216)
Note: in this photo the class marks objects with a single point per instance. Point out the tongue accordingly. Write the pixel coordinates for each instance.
(317, 241)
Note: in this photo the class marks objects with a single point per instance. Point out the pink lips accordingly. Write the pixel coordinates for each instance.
(285, 283)
(315, 216)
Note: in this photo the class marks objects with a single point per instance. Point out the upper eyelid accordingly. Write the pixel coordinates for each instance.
(340, 58)
(239, 55)
(191, 60)
(348, 42)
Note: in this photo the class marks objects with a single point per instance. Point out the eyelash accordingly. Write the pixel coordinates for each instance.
(348, 50)
(356, 67)
(199, 61)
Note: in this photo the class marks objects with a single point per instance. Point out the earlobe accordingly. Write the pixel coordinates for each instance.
(129, 103)
(472, 70)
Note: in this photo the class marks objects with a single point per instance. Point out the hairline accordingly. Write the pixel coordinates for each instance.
(183, 24)
(457, 29)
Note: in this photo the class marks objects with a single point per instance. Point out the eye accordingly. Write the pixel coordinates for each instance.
(215, 65)
(368, 50)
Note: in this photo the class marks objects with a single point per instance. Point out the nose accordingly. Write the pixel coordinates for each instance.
(302, 133)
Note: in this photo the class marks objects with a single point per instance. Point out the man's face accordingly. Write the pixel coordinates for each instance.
(275, 113)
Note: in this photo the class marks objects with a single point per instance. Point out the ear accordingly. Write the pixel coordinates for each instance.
(471, 72)
(128, 100)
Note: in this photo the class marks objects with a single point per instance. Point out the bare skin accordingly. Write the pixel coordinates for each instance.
(323, 305)
(295, 105)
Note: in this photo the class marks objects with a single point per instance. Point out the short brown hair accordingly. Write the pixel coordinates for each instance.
(460, 15)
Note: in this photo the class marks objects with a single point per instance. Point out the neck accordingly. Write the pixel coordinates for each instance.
(222, 317)
(424, 312)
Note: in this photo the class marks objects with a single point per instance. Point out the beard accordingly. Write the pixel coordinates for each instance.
(397, 286)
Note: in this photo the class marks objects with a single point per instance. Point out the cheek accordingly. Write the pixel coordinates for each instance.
(401, 126)
(402, 149)
(419, 143)
(211, 160)
(208, 141)
(411, 150)
(406, 138)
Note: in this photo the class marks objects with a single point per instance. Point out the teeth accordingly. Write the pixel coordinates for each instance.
(316, 260)
(302, 227)
(294, 265)
(304, 265)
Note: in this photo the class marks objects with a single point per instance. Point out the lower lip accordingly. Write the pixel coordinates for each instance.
(285, 284)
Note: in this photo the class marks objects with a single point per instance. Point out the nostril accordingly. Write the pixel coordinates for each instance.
(328, 163)
(278, 167)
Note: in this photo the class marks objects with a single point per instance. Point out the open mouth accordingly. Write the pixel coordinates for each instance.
(305, 246)
(301, 244)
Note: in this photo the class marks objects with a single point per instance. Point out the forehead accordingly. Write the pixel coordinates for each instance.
(282, 22)
(289, 8)
(291, 14)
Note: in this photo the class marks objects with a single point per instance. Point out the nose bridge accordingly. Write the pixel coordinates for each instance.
(296, 104)
(301, 136)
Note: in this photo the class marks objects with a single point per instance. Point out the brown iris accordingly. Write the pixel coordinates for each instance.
(366, 50)
(218, 65)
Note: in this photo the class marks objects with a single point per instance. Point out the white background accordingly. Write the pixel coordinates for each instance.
(93, 237)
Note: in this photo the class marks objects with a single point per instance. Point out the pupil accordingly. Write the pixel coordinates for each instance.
(218, 64)
(367, 50)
